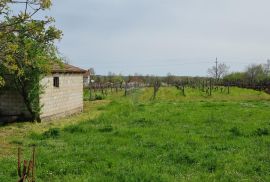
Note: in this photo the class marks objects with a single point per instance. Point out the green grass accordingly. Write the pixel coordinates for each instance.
(174, 138)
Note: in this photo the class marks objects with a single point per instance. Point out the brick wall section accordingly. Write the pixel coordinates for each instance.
(11, 104)
(62, 101)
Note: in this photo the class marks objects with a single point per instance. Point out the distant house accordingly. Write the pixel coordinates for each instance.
(87, 78)
(63, 95)
(135, 82)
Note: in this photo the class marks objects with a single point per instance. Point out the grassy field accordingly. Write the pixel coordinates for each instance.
(174, 138)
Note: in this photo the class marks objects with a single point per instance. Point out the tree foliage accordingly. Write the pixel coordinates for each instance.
(234, 77)
(254, 75)
(27, 50)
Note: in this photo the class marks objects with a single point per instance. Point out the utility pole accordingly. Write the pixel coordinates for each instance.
(216, 68)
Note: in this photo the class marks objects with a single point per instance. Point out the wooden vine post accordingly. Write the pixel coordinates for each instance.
(228, 88)
(183, 90)
(90, 90)
(211, 86)
(126, 89)
(203, 87)
(157, 85)
(27, 173)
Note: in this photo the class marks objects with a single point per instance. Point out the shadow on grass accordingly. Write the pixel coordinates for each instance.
(8, 120)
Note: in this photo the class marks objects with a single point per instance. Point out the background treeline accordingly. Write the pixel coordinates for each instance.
(256, 76)
(144, 80)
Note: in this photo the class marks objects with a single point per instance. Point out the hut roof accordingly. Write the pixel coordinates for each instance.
(66, 68)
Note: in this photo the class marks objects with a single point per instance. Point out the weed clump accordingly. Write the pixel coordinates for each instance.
(36, 136)
(99, 97)
(101, 108)
(235, 131)
(181, 157)
(210, 162)
(142, 122)
(212, 118)
(52, 133)
(106, 129)
(75, 129)
(17, 142)
(261, 132)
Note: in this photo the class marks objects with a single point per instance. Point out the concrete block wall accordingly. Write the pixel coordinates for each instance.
(63, 100)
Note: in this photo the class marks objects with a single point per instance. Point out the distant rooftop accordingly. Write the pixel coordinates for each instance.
(88, 73)
(66, 68)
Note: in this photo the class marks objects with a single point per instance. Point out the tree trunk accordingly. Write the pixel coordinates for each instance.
(34, 116)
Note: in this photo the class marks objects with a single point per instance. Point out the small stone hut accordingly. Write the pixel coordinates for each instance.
(63, 95)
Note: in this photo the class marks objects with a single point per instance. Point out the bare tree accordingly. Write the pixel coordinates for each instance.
(181, 86)
(169, 79)
(218, 71)
(126, 88)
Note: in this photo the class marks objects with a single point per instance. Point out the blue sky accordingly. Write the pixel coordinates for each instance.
(182, 37)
